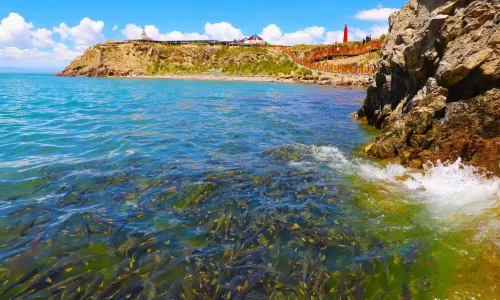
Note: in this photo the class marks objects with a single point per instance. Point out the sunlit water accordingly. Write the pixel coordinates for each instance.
(223, 190)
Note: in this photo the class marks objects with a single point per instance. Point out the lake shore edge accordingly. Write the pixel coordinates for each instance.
(335, 80)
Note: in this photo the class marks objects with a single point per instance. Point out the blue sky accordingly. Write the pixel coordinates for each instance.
(32, 33)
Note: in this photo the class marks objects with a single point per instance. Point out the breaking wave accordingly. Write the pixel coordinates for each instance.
(449, 188)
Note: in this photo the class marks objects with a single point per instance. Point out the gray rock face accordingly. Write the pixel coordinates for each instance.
(437, 53)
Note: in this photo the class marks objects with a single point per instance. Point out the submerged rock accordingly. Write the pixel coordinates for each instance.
(436, 94)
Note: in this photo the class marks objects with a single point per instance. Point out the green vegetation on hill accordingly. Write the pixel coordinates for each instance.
(304, 72)
(266, 66)
(228, 60)
(303, 47)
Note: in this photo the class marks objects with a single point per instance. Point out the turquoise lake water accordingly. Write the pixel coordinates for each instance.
(127, 188)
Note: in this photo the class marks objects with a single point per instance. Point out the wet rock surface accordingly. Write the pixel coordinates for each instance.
(436, 94)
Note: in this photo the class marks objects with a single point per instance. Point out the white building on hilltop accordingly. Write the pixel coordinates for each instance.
(144, 36)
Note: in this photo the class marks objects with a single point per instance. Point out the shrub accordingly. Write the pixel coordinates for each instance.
(304, 72)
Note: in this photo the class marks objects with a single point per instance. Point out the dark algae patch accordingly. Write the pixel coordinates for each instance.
(209, 239)
(229, 235)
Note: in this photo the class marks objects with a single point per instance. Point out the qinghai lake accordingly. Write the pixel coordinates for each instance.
(165, 189)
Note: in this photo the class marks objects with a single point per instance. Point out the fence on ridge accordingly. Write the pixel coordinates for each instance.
(319, 60)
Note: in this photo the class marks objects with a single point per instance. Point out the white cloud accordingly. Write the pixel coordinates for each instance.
(64, 53)
(60, 52)
(87, 33)
(272, 33)
(115, 27)
(63, 30)
(42, 37)
(223, 31)
(334, 37)
(58, 57)
(131, 31)
(15, 31)
(177, 35)
(216, 31)
(154, 33)
(375, 14)
(310, 35)
(14, 52)
(23, 45)
(377, 30)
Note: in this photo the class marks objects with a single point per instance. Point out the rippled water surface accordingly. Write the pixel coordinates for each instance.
(151, 189)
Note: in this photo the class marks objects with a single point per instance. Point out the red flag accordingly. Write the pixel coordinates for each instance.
(345, 33)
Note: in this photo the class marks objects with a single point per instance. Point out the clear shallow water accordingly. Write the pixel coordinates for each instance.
(188, 189)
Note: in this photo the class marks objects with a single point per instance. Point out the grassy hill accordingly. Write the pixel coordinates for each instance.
(159, 59)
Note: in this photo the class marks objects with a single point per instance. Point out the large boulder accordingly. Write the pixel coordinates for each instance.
(436, 95)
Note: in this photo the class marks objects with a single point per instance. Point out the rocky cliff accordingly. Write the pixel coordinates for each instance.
(437, 92)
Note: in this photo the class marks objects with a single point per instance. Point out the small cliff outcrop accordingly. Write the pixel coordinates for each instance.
(437, 91)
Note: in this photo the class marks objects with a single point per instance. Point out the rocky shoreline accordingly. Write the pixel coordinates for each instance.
(339, 80)
(436, 95)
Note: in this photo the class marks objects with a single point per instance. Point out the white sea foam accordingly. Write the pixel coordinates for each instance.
(448, 188)
(455, 188)
(335, 159)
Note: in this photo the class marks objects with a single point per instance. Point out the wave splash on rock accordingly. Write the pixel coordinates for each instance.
(447, 188)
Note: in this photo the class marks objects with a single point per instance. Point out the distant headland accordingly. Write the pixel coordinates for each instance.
(250, 58)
